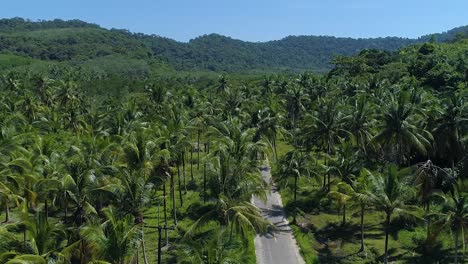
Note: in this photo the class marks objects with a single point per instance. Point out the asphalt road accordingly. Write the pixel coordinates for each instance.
(277, 247)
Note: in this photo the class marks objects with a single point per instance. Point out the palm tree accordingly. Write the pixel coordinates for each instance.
(361, 188)
(389, 193)
(400, 130)
(44, 237)
(215, 249)
(295, 100)
(242, 217)
(293, 165)
(325, 128)
(358, 121)
(270, 126)
(454, 216)
(342, 195)
(115, 240)
(447, 133)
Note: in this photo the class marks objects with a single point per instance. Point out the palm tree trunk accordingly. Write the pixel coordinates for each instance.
(46, 208)
(324, 185)
(165, 212)
(66, 206)
(344, 215)
(198, 149)
(328, 173)
(295, 198)
(145, 258)
(172, 189)
(180, 187)
(183, 171)
(204, 182)
(456, 248)
(137, 258)
(191, 163)
(387, 227)
(7, 211)
(362, 229)
(275, 150)
(230, 234)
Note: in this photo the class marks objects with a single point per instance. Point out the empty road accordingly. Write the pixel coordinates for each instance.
(279, 247)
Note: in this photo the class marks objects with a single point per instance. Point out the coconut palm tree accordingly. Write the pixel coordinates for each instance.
(115, 240)
(293, 165)
(325, 128)
(342, 195)
(361, 188)
(389, 193)
(215, 249)
(359, 121)
(447, 133)
(400, 129)
(240, 216)
(454, 216)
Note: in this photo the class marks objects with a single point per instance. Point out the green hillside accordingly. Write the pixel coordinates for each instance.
(76, 41)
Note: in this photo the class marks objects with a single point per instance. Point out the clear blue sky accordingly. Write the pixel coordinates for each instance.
(254, 20)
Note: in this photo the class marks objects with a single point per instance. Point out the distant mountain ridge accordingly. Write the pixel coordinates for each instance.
(77, 41)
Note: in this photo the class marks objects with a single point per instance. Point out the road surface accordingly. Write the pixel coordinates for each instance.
(279, 247)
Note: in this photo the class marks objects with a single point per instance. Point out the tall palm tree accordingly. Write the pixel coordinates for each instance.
(242, 217)
(296, 97)
(400, 129)
(454, 216)
(216, 249)
(114, 240)
(343, 194)
(361, 187)
(447, 133)
(358, 121)
(293, 165)
(325, 128)
(389, 193)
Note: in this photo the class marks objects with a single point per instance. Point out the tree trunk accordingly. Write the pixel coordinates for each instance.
(362, 229)
(198, 149)
(46, 209)
(387, 227)
(66, 206)
(172, 189)
(7, 211)
(145, 258)
(180, 187)
(183, 171)
(204, 182)
(324, 185)
(344, 215)
(137, 259)
(191, 163)
(456, 248)
(165, 212)
(295, 198)
(230, 235)
(328, 172)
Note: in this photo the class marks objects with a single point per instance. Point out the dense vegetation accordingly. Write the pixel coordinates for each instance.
(371, 157)
(83, 44)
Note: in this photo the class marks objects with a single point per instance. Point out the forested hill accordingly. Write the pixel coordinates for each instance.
(87, 44)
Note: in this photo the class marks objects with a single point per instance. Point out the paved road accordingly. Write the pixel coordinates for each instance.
(281, 247)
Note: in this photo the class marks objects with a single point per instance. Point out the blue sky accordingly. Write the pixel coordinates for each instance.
(254, 20)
